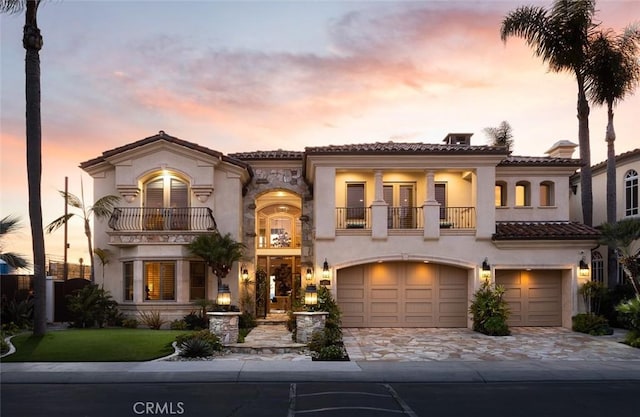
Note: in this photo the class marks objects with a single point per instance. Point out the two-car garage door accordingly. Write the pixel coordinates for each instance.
(403, 294)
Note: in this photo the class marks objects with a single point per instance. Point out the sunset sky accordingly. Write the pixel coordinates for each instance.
(242, 76)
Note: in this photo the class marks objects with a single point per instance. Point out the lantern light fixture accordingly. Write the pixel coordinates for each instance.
(311, 295)
(583, 267)
(485, 272)
(245, 272)
(224, 296)
(309, 274)
(325, 269)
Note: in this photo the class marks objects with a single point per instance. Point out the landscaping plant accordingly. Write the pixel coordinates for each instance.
(490, 311)
(326, 344)
(152, 319)
(92, 306)
(198, 344)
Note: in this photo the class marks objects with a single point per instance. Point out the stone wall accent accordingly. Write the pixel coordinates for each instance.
(225, 326)
(307, 323)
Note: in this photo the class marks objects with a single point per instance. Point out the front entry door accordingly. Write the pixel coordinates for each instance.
(283, 281)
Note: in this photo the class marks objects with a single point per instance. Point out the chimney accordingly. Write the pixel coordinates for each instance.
(458, 139)
(562, 149)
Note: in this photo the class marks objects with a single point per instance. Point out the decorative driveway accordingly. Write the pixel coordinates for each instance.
(525, 343)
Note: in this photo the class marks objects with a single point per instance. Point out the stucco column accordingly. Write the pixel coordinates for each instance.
(324, 202)
(485, 202)
(431, 208)
(379, 209)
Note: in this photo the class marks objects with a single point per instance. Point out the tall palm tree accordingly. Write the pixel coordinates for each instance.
(8, 225)
(560, 36)
(624, 236)
(32, 43)
(218, 251)
(101, 209)
(613, 72)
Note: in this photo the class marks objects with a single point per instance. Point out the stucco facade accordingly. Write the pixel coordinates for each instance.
(397, 231)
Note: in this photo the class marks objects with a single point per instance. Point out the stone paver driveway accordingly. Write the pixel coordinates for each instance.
(525, 343)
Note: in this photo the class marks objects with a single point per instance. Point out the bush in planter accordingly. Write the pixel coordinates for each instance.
(194, 321)
(489, 311)
(326, 344)
(591, 324)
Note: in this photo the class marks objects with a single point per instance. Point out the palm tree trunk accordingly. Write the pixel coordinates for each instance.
(32, 42)
(612, 259)
(585, 153)
(87, 232)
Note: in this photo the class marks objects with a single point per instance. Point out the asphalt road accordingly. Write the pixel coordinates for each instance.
(537, 399)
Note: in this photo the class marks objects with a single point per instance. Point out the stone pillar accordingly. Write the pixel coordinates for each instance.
(225, 326)
(308, 322)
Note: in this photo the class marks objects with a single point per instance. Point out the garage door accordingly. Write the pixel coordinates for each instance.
(402, 294)
(534, 297)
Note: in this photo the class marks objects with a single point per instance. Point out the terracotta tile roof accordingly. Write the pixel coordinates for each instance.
(539, 161)
(403, 149)
(261, 155)
(542, 230)
(161, 136)
(619, 158)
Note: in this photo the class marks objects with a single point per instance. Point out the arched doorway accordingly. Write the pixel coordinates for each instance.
(278, 249)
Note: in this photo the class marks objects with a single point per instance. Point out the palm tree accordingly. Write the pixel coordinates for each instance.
(560, 36)
(102, 209)
(501, 135)
(105, 256)
(613, 71)
(8, 225)
(32, 43)
(219, 252)
(624, 236)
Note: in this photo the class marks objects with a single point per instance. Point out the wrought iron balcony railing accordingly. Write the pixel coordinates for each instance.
(353, 217)
(174, 218)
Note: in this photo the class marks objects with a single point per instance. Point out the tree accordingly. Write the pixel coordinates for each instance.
(560, 36)
(32, 43)
(624, 236)
(219, 252)
(501, 135)
(8, 225)
(613, 71)
(102, 209)
(105, 256)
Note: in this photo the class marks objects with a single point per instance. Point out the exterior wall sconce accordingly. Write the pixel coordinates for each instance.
(311, 295)
(224, 296)
(326, 273)
(245, 272)
(309, 274)
(583, 267)
(485, 271)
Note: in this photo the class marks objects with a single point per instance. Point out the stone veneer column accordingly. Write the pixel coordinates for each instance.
(308, 322)
(225, 326)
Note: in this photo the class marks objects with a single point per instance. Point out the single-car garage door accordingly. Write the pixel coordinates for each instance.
(403, 294)
(534, 297)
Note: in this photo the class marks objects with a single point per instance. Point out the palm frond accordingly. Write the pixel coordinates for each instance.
(14, 260)
(12, 6)
(104, 206)
(9, 224)
(72, 199)
(57, 223)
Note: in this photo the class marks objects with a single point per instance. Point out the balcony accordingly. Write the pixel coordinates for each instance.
(405, 218)
(135, 225)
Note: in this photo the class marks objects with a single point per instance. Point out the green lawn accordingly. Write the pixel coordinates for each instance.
(93, 345)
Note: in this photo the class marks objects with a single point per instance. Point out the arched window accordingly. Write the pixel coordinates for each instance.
(547, 194)
(597, 267)
(166, 204)
(279, 227)
(523, 194)
(631, 193)
(501, 194)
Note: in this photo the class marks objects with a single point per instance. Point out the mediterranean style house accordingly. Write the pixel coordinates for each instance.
(627, 205)
(402, 233)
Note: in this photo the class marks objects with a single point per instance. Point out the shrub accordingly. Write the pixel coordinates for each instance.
(10, 329)
(18, 314)
(247, 321)
(195, 348)
(92, 305)
(631, 311)
(186, 342)
(489, 311)
(194, 321)
(632, 339)
(152, 319)
(331, 353)
(178, 324)
(130, 323)
(593, 293)
(591, 324)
